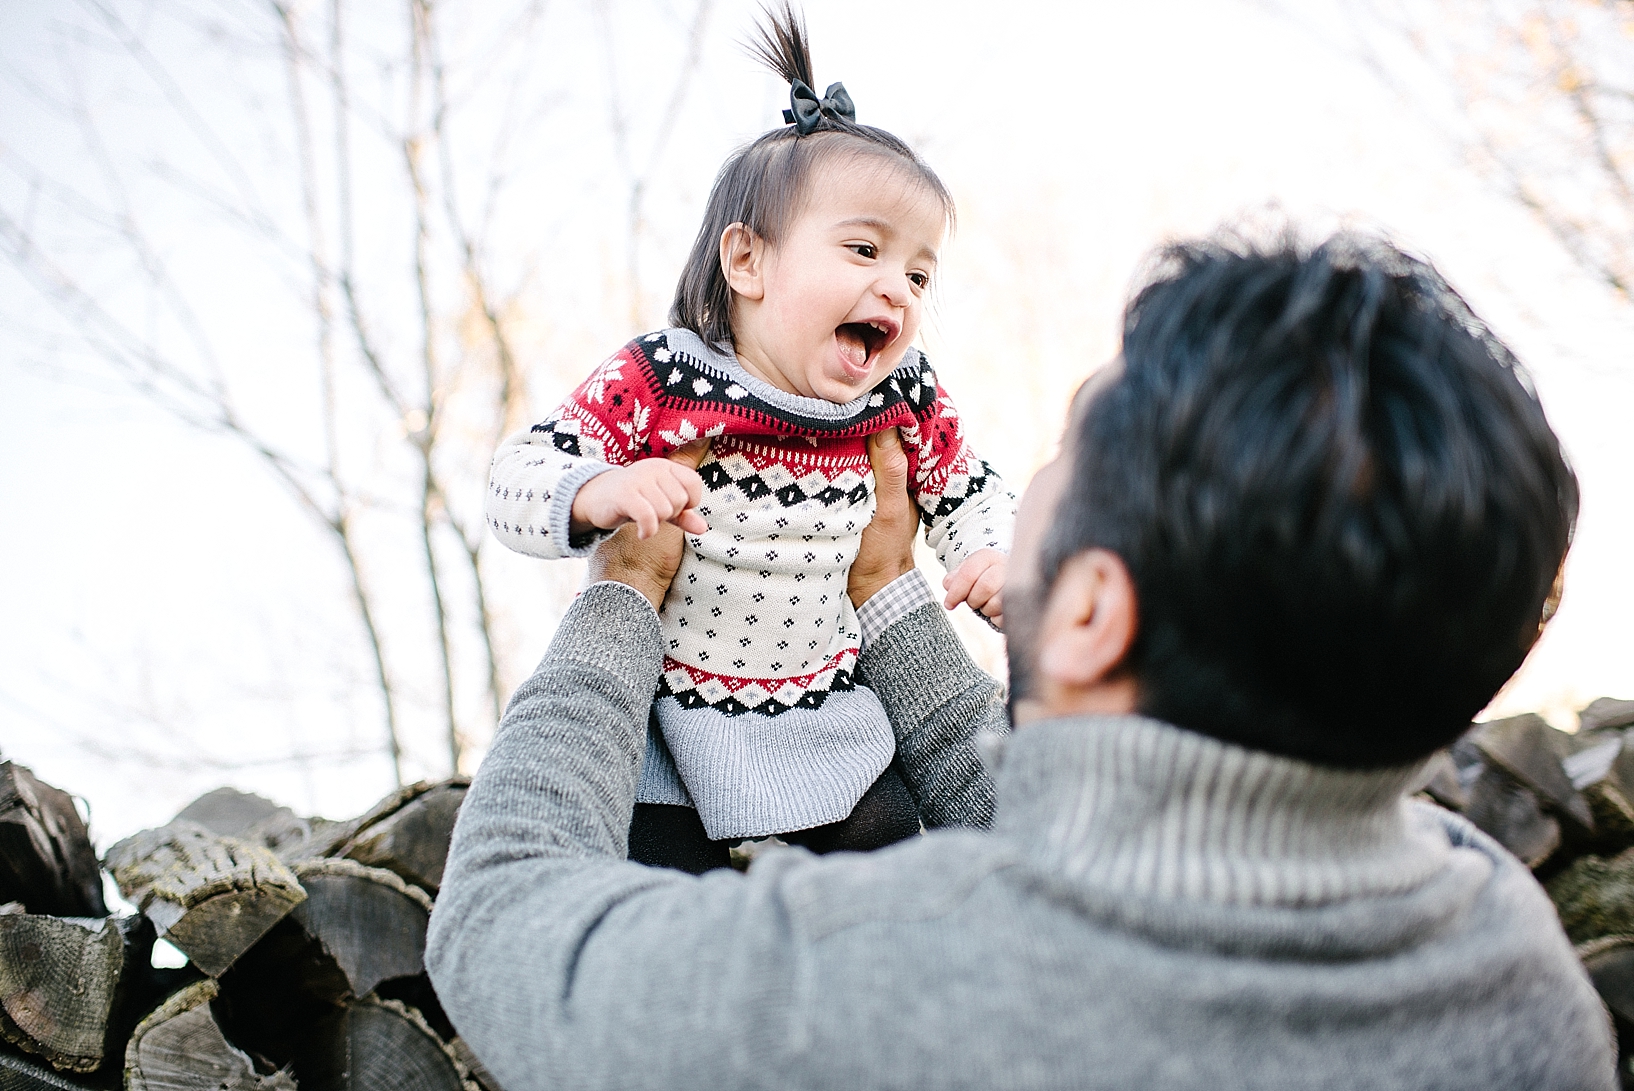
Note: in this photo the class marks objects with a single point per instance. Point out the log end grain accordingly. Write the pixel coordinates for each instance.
(58, 979)
(368, 920)
(180, 1047)
(381, 1045)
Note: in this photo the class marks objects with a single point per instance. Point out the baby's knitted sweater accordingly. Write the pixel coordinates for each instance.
(765, 723)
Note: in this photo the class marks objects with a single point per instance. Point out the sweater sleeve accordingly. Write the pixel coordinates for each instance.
(546, 946)
(607, 422)
(939, 704)
(963, 501)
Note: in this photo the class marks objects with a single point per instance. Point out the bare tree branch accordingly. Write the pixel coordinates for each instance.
(342, 522)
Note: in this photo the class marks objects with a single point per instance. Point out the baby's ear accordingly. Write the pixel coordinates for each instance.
(743, 254)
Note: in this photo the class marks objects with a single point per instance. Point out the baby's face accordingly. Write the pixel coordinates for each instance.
(841, 297)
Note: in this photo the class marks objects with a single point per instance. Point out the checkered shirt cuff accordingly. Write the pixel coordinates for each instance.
(891, 603)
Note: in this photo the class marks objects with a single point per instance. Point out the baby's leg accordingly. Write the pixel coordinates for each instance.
(665, 835)
(884, 815)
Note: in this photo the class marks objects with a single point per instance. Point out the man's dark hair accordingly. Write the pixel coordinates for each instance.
(764, 184)
(1340, 502)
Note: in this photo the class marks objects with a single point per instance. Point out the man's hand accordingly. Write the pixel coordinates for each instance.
(648, 493)
(886, 551)
(979, 581)
(647, 562)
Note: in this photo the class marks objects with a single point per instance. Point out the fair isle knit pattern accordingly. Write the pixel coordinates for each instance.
(759, 633)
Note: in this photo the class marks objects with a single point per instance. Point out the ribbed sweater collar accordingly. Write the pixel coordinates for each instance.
(1137, 806)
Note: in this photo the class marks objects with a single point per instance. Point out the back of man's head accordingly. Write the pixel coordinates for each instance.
(1341, 505)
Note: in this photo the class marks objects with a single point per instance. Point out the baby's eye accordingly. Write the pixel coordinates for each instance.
(920, 280)
(865, 249)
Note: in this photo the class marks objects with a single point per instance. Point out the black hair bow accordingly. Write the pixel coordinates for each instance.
(806, 109)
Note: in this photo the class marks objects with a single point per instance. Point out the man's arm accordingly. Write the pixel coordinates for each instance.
(938, 701)
(561, 963)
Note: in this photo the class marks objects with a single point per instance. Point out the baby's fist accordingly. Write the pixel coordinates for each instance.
(648, 493)
(979, 581)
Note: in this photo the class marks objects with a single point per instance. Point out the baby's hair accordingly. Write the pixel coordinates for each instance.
(764, 183)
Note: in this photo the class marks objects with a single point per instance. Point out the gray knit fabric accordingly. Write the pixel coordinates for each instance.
(803, 767)
(1151, 909)
(660, 781)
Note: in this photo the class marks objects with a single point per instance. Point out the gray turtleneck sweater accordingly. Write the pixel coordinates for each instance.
(1151, 908)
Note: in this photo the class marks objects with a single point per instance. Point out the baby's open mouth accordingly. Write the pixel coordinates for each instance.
(861, 342)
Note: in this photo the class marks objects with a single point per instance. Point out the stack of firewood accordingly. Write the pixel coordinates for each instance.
(304, 939)
(1564, 803)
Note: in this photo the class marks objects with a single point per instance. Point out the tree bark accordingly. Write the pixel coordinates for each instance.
(18, 1074)
(46, 859)
(212, 897)
(180, 1047)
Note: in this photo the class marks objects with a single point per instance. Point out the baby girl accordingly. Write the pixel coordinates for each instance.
(791, 343)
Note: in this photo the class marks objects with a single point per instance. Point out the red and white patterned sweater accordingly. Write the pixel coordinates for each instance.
(757, 623)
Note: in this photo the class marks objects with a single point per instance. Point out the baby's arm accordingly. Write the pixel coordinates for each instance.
(537, 502)
(979, 581)
(968, 512)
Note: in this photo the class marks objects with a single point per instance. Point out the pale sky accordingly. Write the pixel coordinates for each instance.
(172, 625)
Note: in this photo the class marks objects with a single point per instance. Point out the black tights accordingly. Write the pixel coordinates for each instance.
(664, 835)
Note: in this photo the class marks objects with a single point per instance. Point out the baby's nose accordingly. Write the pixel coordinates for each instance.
(896, 289)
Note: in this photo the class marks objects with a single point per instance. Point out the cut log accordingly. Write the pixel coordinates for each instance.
(180, 1047)
(212, 897)
(1610, 963)
(359, 928)
(46, 858)
(1512, 813)
(1603, 770)
(412, 840)
(369, 921)
(227, 812)
(328, 838)
(1442, 784)
(1606, 712)
(244, 816)
(380, 1045)
(20, 1074)
(479, 1072)
(58, 979)
(1526, 748)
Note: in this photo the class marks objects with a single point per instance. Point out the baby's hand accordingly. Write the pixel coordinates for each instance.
(648, 493)
(979, 581)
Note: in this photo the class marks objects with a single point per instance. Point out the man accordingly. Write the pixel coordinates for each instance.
(1294, 540)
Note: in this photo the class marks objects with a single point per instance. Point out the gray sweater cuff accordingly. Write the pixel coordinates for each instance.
(561, 510)
(939, 703)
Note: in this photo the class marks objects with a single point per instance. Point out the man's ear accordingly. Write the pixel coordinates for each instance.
(1090, 621)
(743, 255)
